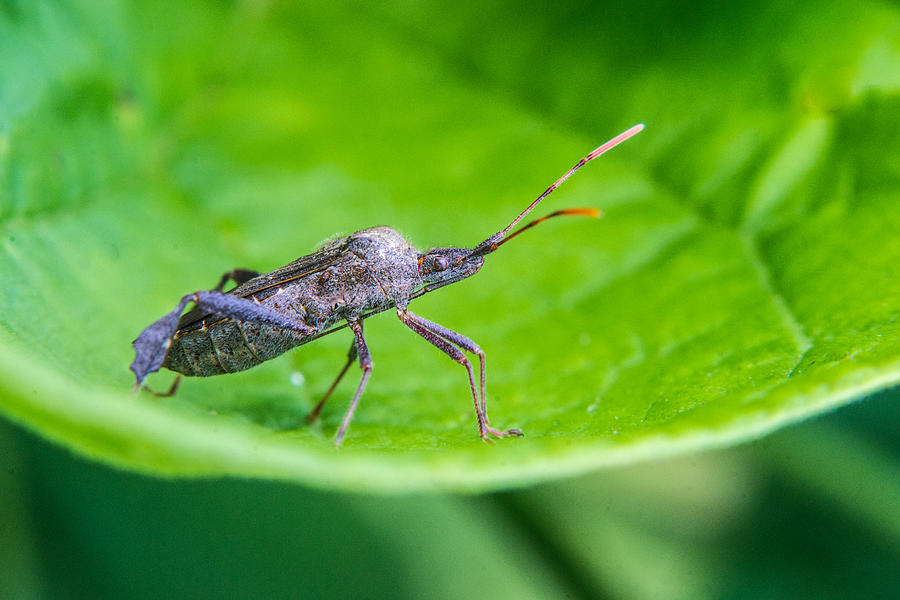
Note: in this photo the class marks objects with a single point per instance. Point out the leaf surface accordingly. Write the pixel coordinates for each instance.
(744, 276)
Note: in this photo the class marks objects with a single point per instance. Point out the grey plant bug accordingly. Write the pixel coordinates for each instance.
(347, 280)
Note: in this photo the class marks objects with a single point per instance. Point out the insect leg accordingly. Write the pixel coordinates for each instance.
(463, 342)
(238, 276)
(351, 356)
(443, 339)
(168, 393)
(154, 341)
(365, 363)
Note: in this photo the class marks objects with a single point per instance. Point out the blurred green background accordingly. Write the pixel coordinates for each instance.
(809, 512)
(151, 134)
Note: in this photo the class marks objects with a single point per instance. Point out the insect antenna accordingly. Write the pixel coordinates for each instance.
(494, 242)
(584, 212)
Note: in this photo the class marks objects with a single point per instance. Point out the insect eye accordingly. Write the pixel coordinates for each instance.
(440, 263)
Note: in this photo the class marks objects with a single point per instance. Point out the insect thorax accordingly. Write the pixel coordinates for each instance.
(391, 263)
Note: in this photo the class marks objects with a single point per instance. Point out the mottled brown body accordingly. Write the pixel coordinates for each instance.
(368, 272)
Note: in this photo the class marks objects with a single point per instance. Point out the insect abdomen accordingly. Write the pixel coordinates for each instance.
(228, 346)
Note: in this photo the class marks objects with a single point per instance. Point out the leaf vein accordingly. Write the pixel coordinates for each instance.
(791, 321)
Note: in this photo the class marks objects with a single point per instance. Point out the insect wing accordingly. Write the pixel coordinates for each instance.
(304, 266)
(261, 287)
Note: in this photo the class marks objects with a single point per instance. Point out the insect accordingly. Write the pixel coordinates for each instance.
(339, 285)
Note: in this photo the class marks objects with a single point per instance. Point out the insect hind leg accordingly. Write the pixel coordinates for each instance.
(168, 393)
(238, 276)
(153, 343)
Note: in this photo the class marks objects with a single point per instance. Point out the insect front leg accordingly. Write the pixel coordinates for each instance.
(463, 342)
(444, 339)
(154, 341)
(351, 356)
(365, 363)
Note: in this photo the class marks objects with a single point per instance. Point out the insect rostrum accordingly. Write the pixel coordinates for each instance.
(339, 285)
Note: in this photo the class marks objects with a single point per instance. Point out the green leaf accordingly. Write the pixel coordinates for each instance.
(744, 276)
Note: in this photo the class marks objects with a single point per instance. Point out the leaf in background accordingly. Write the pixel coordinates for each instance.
(744, 277)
